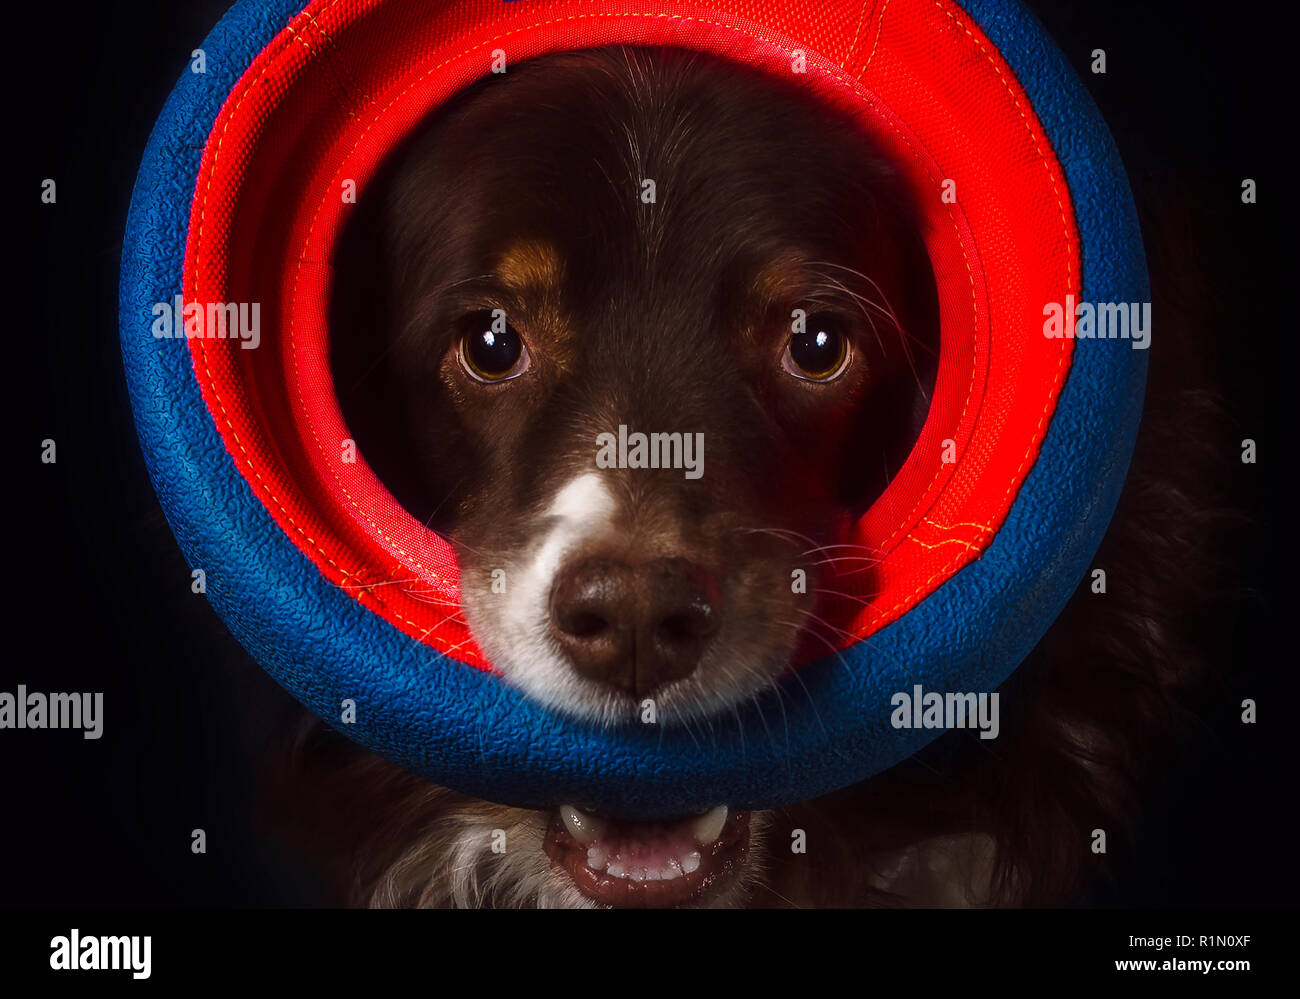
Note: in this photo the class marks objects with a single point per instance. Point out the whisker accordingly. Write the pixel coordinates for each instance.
(791, 902)
(849, 558)
(435, 510)
(776, 532)
(887, 310)
(830, 627)
(838, 653)
(826, 548)
(863, 599)
(414, 595)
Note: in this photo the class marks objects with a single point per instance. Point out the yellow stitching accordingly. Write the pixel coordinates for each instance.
(982, 528)
(880, 27)
(298, 38)
(854, 44)
(349, 85)
(939, 544)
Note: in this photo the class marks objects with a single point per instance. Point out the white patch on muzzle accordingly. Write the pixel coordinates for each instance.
(514, 627)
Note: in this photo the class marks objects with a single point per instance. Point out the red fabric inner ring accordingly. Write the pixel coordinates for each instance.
(346, 81)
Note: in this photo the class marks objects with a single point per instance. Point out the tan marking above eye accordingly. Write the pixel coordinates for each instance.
(530, 265)
(530, 274)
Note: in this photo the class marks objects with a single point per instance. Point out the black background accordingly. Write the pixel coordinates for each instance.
(98, 595)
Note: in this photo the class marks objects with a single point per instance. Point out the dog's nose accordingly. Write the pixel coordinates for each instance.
(634, 627)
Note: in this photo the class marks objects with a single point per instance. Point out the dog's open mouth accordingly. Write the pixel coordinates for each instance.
(648, 864)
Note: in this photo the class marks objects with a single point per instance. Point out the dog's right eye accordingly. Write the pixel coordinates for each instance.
(491, 350)
(818, 353)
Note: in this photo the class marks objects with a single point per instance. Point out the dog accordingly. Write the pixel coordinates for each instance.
(626, 248)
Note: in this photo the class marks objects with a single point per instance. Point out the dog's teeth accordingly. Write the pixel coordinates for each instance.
(629, 870)
(708, 827)
(585, 828)
(643, 859)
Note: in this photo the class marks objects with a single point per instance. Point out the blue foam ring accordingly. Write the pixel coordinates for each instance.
(464, 728)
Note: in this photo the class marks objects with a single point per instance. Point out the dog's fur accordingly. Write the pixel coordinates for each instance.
(1092, 714)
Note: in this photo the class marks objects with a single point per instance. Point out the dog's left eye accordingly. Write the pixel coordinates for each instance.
(819, 352)
(491, 350)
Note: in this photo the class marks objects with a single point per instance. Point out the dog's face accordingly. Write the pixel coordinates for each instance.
(642, 333)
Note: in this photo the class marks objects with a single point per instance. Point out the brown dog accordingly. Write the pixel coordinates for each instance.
(610, 243)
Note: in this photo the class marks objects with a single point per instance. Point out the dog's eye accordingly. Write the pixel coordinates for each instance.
(491, 350)
(819, 352)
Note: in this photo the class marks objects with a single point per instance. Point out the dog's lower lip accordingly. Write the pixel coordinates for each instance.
(647, 864)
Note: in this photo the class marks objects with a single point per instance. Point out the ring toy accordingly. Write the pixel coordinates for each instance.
(326, 580)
